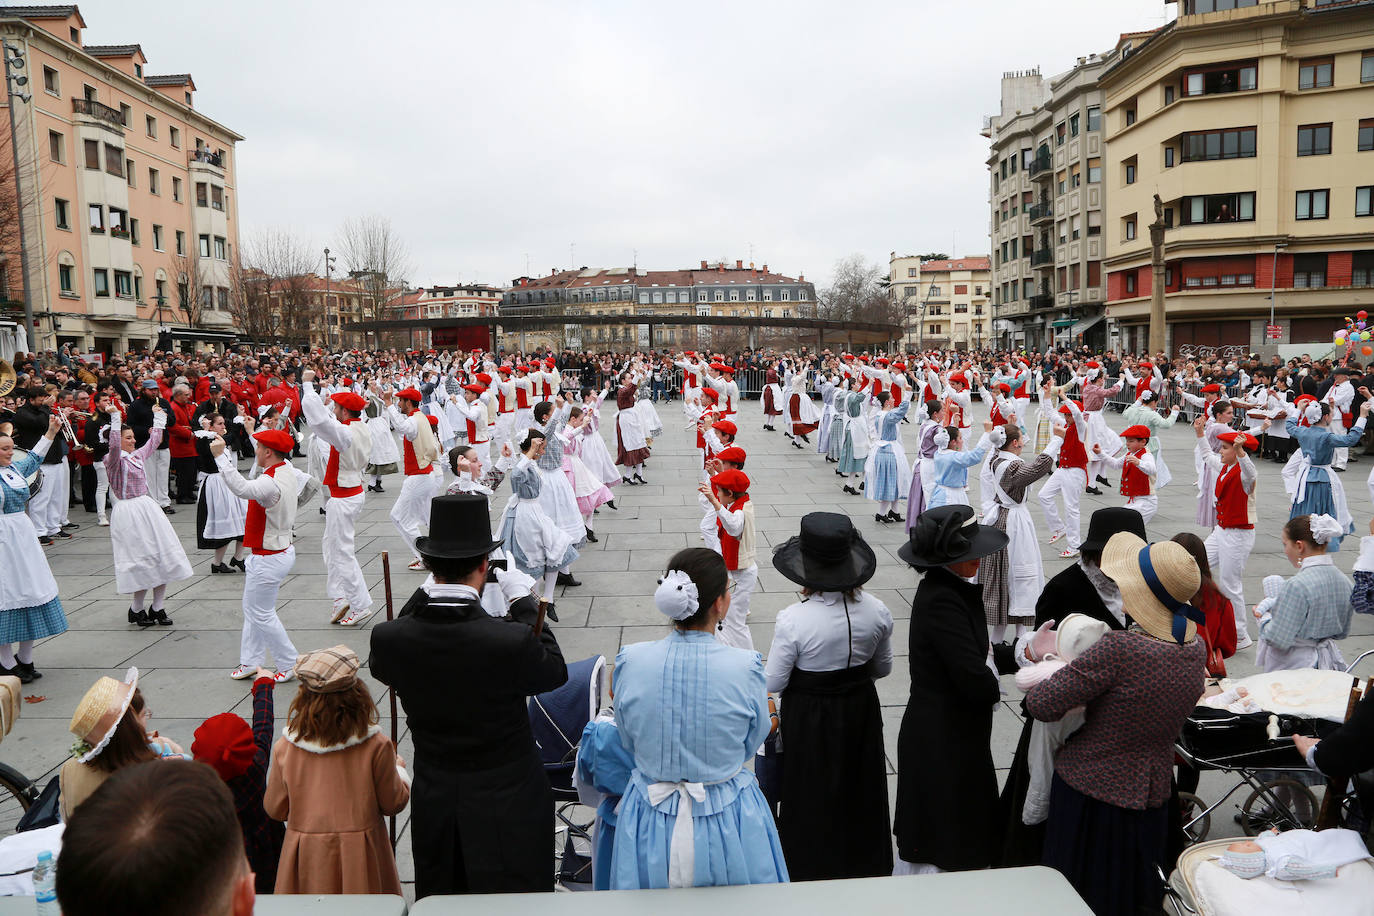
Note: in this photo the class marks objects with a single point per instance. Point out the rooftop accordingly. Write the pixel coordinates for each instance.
(41, 12)
(974, 263)
(112, 50)
(169, 79)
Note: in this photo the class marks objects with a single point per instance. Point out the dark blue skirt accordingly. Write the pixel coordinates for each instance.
(1108, 853)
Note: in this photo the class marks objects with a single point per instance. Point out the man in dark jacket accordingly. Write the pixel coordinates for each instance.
(481, 806)
(158, 465)
(48, 506)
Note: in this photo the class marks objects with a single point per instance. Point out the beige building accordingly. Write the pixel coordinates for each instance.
(1255, 126)
(947, 303)
(1047, 200)
(129, 199)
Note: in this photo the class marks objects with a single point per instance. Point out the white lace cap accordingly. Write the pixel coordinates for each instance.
(1313, 412)
(942, 439)
(1324, 528)
(998, 436)
(676, 596)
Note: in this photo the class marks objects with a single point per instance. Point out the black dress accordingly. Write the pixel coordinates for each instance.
(481, 805)
(946, 812)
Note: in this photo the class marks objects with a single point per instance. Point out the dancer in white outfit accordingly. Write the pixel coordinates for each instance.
(424, 479)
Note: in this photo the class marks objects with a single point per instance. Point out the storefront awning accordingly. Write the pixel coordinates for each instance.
(202, 334)
(1062, 323)
(1086, 323)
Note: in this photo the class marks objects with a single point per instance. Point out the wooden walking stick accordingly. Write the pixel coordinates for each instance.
(386, 584)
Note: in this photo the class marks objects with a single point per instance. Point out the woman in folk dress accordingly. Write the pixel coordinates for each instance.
(593, 449)
(588, 490)
(531, 541)
(886, 470)
(220, 515)
(29, 606)
(632, 446)
(147, 553)
(801, 412)
(556, 495)
(384, 458)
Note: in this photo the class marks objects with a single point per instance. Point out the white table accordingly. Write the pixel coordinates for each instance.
(995, 892)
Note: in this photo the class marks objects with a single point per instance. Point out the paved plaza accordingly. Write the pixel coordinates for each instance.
(185, 668)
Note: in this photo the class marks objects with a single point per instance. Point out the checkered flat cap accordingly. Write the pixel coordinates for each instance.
(328, 670)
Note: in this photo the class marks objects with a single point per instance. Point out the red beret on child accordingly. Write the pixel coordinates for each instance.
(225, 742)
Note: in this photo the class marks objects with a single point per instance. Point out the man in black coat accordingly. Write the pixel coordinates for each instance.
(47, 508)
(481, 806)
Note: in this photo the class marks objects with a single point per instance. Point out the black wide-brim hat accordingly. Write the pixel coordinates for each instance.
(829, 555)
(1104, 523)
(459, 527)
(950, 534)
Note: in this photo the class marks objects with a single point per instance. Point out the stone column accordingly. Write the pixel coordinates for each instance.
(1157, 279)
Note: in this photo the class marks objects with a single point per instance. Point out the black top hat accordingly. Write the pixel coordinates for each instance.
(950, 534)
(828, 556)
(459, 527)
(1106, 522)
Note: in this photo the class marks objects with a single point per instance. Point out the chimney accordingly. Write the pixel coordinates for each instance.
(801, 278)
(703, 265)
(739, 264)
(765, 268)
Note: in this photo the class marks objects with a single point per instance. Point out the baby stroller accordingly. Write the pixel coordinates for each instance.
(1258, 748)
(557, 719)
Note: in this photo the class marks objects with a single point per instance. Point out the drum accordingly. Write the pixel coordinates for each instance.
(36, 478)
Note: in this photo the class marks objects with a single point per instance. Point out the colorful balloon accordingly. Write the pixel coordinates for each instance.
(1361, 314)
(1367, 350)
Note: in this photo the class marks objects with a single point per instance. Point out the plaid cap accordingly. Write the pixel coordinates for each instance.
(328, 670)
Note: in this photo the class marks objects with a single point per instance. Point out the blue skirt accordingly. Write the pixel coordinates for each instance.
(848, 463)
(23, 624)
(836, 438)
(1317, 500)
(884, 483)
(734, 837)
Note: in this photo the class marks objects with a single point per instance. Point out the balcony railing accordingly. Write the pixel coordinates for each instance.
(94, 109)
(1041, 256)
(1043, 301)
(203, 155)
(1041, 212)
(1041, 166)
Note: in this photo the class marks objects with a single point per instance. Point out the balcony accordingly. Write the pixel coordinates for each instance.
(113, 308)
(1043, 301)
(204, 156)
(1042, 168)
(102, 113)
(1041, 257)
(1041, 212)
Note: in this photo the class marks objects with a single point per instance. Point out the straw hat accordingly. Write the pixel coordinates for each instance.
(1156, 582)
(99, 713)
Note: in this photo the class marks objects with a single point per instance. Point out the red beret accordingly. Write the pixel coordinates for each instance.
(348, 381)
(349, 401)
(484, 378)
(549, 364)
(1240, 438)
(225, 742)
(710, 394)
(882, 361)
(1211, 389)
(1093, 364)
(1139, 431)
(1145, 364)
(900, 367)
(690, 353)
(433, 420)
(503, 369)
(959, 377)
(1004, 387)
(475, 389)
(734, 454)
(727, 427)
(1064, 408)
(863, 358)
(729, 370)
(278, 440)
(732, 480)
(410, 394)
(1304, 398)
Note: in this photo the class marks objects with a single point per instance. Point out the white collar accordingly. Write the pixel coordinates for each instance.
(1320, 559)
(436, 590)
(314, 748)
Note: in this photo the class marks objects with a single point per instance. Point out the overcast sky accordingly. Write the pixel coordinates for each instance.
(495, 132)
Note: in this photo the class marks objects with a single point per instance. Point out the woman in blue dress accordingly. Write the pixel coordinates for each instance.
(951, 468)
(887, 472)
(834, 440)
(693, 713)
(29, 606)
(1318, 491)
(854, 451)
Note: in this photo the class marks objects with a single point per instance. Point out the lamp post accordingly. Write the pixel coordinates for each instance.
(328, 272)
(14, 61)
(164, 336)
(1273, 279)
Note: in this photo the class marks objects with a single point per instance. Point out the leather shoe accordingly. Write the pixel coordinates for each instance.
(160, 618)
(168, 510)
(567, 579)
(140, 618)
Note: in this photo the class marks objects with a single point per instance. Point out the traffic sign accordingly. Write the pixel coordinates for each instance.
(1273, 331)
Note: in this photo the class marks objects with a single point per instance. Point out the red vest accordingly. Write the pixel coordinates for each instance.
(729, 544)
(522, 395)
(995, 415)
(1141, 386)
(331, 471)
(472, 432)
(1233, 503)
(956, 416)
(412, 467)
(877, 386)
(1023, 390)
(1134, 481)
(896, 395)
(256, 523)
(1072, 454)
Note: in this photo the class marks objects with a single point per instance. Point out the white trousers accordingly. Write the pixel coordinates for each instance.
(49, 506)
(262, 629)
(411, 509)
(157, 467)
(734, 629)
(102, 488)
(1227, 551)
(343, 576)
(1147, 506)
(709, 534)
(483, 450)
(1069, 483)
(501, 432)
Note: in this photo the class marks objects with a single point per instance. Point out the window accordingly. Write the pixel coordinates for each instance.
(720, 296)
(1061, 182)
(1362, 273)
(92, 148)
(97, 217)
(1362, 202)
(88, 92)
(63, 213)
(1076, 223)
(1130, 115)
(1130, 282)
(1094, 273)
(222, 298)
(207, 300)
(102, 283)
(1128, 170)
(1367, 67)
(150, 126)
(114, 160)
(961, 289)
(1217, 208)
(1309, 271)
(217, 199)
(1314, 73)
(1129, 227)
(1075, 176)
(1232, 143)
(119, 223)
(65, 278)
(181, 242)
(1314, 140)
(1094, 222)
(174, 135)
(1233, 77)
(133, 231)
(125, 114)
(1094, 119)
(51, 84)
(913, 271)
(138, 287)
(1094, 171)
(154, 182)
(786, 296)
(1073, 126)
(1169, 94)
(176, 189)
(130, 171)
(1210, 6)
(1365, 137)
(57, 148)
(157, 237)
(124, 284)
(202, 194)
(1059, 133)
(1313, 204)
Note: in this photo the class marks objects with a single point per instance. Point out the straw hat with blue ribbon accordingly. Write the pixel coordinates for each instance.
(1157, 581)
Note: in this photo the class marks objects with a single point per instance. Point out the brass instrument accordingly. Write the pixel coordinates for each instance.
(8, 377)
(66, 426)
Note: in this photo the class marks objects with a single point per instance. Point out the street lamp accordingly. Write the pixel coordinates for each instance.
(1273, 278)
(14, 61)
(164, 332)
(328, 272)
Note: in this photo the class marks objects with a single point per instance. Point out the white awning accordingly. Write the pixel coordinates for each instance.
(1081, 326)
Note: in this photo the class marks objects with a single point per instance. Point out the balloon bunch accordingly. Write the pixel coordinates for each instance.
(1355, 333)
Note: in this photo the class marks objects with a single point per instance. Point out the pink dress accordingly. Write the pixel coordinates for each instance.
(587, 488)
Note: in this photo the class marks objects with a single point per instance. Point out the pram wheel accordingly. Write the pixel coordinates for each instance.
(1285, 804)
(1196, 819)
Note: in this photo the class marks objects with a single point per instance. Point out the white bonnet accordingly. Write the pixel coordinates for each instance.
(1324, 528)
(676, 596)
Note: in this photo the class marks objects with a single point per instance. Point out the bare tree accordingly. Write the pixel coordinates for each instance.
(11, 272)
(377, 258)
(272, 285)
(192, 283)
(858, 293)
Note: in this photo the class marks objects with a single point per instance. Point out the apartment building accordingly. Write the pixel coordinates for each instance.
(459, 300)
(1254, 123)
(947, 302)
(1047, 200)
(129, 200)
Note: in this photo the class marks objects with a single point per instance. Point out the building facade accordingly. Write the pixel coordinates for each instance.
(1047, 199)
(1254, 123)
(947, 303)
(129, 202)
(459, 300)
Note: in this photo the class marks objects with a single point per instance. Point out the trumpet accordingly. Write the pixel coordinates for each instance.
(64, 415)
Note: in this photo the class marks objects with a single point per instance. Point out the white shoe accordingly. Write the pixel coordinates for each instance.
(243, 672)
(1068, 553)
(1057, 535)
(356, 618)
(281, 677)
(103, 523)
(340, 611)
(1244, 642)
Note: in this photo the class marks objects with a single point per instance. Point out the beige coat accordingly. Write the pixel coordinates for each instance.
(334, 801)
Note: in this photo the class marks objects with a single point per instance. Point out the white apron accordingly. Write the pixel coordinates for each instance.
(147, 552)
(630, 423)
(1343, 516)
(21, 551)
(225, 513)
(1162, 474)
(1025, 571)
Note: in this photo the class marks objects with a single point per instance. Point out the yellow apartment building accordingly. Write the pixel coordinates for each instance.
(948, 303)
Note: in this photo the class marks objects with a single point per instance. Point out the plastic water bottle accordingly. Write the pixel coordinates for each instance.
(45, 884)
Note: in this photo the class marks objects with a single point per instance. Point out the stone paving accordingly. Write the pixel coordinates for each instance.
(184, 669)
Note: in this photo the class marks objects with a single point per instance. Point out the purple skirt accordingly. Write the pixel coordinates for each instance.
(916, 498)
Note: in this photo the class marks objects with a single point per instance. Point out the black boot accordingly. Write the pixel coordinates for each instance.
(220, 568)
(160, 618)
(610, 504)
(27, 672)
(140, 618)
(591, 536)
(640, 480)
(879, 517)
(14, 672)
(895, 517)
(567, 579)
(243, 567)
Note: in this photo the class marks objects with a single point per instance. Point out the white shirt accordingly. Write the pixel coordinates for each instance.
(813, 635)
